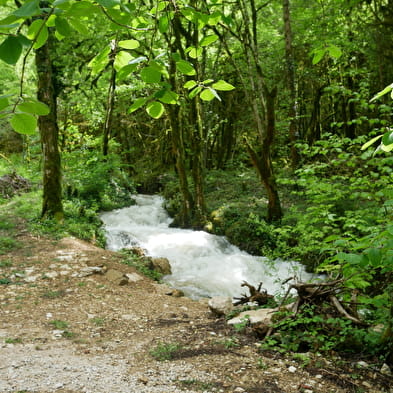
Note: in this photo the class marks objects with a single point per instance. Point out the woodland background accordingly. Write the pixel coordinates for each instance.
(248, 116)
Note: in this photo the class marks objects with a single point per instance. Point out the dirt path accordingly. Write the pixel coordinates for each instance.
(66, 327)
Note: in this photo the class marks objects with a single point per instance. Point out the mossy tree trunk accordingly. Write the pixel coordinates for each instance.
(49, 131)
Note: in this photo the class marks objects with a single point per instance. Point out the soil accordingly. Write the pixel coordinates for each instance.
(67, 329)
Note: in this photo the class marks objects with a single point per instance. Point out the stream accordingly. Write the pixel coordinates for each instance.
(203, 265)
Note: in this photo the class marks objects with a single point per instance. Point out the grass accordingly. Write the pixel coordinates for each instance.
(7, 244)
(59, 324)
(165, 351)
(53, 294)
(10, 340)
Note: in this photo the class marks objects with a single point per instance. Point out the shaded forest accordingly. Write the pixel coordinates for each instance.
(267, 121)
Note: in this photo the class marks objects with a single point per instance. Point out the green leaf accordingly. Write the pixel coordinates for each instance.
(185, 67)
(318, 55)
(223, 86)
(195, 91)
(28, 9)
(387, 148)
(34, 107)
(335, 51)
(122, 59)
(62, 26)
(125, 71)
(167, 96)
(150, 75)
(208, 94)
(38, 32)
(387, 138)
(190, 85)
(129, 44)
(82, 9)
(209, 39)
(139, 102)
(24, 123)
(194, 52)
(163, 22)
(108, 3)
(370, 142)
(386, 90)
(155, 109)
(79, 26)
(98, 63)
(3, 103)
(10, 50)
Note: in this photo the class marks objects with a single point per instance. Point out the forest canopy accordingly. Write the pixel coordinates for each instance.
(268, 121)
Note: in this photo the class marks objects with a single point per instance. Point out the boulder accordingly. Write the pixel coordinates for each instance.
(220, 305)
(260, 316)
(160, 265)
(116, 277)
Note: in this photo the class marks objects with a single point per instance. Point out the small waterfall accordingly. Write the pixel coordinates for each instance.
(203, 265)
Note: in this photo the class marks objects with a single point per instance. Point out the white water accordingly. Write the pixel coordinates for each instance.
(203, 265)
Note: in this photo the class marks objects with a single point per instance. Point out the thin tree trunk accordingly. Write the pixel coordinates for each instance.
(49, 131)
(290, 63)
(110, 101)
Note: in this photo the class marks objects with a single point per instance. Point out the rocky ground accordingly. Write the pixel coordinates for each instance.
(67, 326)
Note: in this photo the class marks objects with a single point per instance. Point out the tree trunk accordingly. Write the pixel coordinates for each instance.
(110, 101)
(49, 131)
(290, 63)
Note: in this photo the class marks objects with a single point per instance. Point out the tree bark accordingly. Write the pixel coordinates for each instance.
(49, 131)
(291, 84)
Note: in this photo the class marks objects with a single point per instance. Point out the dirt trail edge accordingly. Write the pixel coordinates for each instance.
(67, 326)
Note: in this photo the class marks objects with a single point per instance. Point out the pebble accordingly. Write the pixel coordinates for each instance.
(385, 369)
(292, 369)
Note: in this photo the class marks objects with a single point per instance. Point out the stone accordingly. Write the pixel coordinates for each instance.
(134, 277)
(385, 369)
(116, 277)
(263, 315)
(220, 305)
(161, 265)
(292, 369)
(175, 293)
(90, 270)
(362, 364)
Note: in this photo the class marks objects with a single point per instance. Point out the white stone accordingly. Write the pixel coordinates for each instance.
(292, 369)
(220, 305)
(263, 315)
(385, 369)
(134, 277)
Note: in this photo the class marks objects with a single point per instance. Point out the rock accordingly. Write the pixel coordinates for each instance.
(138, 251)
(239, 390)
(90, 270)
(362, 364)
(263, 315)
(116, 277)
(133, 277)
(175, 293)
(220, 305)
(292, 369)
(161, 265)
(385, 369)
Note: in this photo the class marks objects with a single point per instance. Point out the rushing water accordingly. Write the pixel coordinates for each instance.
(202, 264)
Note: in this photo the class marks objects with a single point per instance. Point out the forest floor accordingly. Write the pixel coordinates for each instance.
(66, 330)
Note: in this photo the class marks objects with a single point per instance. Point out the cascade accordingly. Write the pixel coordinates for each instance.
(203, 265)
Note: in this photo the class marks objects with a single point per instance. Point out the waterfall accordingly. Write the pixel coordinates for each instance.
(203, 265)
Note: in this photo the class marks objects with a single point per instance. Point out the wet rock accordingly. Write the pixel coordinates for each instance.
(160, 265)
(116, 277)
(220, 305)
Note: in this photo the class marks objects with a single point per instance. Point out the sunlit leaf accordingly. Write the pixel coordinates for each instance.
(129, 44)
(190, 84)
(3, 103)
(155, 109)
(318, 55)
(371, 141)
(38, 32)
(222, 85)
(122, 59)
(24, 123)
(34, 107)
(139, 102)
(98, 63)
(185, 67)
(386, 90)
(205, 41)
(63, 27)
(108, 3)
(167, 96)
(195, 91)
(208, 94)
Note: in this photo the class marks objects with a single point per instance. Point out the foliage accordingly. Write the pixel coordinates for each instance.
(165, 351)
(141, 264)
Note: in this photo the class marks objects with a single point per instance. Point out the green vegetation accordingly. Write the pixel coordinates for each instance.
(289, 159)
(165, 351)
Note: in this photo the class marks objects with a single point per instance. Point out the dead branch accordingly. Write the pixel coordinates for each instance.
(256, 295)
